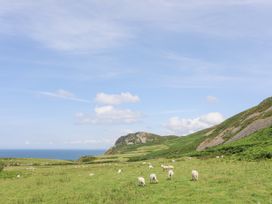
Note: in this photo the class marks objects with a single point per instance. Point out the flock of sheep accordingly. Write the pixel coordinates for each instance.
(153, 176)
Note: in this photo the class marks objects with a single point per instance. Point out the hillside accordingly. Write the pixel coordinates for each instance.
(133, 141)
(254, 123)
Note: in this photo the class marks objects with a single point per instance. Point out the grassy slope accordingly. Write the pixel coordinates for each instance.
(124, 148)
(256, 146)
(187, 145)
(221, 181)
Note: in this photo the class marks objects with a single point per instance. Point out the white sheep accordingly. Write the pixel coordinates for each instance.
(141, 181)
(170, 174)
(194, 175)
(119, 171)
(217, 157)
(173, 160)
(222, 156)
(170, 167)
(18, 176)
(153, 178)
(91, 174)
(150, 166)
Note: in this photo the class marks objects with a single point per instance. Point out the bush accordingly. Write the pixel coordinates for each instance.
(85, 159)
(1, 166)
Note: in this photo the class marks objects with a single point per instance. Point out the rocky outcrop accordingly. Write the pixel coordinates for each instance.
(136, 138)
(251, 128)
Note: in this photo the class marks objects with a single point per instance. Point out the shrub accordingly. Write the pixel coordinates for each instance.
(1, 166)
(85, 159)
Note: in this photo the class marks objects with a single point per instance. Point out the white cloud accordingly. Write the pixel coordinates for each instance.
(63, 94)
(184, 126)
(115, 99)
(108, 114)
(211, 99)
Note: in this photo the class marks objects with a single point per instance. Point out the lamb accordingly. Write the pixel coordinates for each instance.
(141, 181)
(150, 166)
(194, 175)
(119, 171)
(170, 174)
(153, 178)
(217, 157)
(173, 160)
(168, 167)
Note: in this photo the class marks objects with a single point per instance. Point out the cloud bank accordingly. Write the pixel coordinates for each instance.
(184, 126)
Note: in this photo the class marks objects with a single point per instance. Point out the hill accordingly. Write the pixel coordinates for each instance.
(248, 131)
(133, 141)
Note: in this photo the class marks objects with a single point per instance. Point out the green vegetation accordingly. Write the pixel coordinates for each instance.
(86, 159)
(220, 181)
(1, 166)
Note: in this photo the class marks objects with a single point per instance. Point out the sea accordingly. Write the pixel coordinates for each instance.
(62, 154)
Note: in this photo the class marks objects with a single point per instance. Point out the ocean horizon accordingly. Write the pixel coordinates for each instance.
(62, 154)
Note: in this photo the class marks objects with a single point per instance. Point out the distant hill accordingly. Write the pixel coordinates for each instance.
(132, 141)
(238, 130)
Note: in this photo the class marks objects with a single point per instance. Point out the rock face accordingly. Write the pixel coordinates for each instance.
(136, 138)
(251, 128)
(239, 126)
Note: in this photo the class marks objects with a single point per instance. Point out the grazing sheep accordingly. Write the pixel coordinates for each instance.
(18, 176)
(153, 178)
(194, 175)
(91, 174)
(167, 167)
(141, 181)
(217, 157)
(170, 174)
(173, 160)
(222, 156)
(170, 167)
(144, 163)
(119, 171)
(150, 166)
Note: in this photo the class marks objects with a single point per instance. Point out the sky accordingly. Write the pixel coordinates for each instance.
(79, 74)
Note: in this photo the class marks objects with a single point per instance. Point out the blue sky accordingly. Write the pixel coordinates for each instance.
(80, 74)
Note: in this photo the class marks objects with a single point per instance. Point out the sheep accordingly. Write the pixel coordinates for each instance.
(91, 174)
(173, 160)
(144, 163)
(119, 171)
(217, 157)
(18, 176)
(153, 178)
(167, 167)
(150, 166)
(194, 175)
(170, 174)
(141, 181)
(170, 167)
(222, 156)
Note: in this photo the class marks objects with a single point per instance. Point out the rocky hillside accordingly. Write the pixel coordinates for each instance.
(231, 131)
(240, 125)
(133, 140)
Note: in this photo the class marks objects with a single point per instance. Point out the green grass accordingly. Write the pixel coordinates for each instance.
(220, 181)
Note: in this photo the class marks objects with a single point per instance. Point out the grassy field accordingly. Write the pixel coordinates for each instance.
(220, 181)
